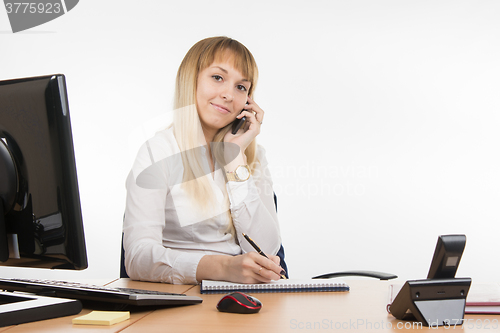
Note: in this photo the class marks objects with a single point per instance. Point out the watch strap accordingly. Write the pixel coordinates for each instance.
(231, 176)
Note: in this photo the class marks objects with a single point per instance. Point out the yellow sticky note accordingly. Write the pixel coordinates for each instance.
(102, 318)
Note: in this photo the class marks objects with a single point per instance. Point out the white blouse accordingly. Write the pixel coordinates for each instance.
(165, 236)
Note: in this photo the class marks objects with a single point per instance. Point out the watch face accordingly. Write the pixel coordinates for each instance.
(242, 172)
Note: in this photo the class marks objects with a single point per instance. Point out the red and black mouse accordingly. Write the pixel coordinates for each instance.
(239, 303)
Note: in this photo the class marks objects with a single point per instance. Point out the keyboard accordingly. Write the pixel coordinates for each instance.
(98, 294)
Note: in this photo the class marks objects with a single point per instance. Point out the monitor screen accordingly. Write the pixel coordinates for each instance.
(40, 216)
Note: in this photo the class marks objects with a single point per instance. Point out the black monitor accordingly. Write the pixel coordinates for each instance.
(40, 216)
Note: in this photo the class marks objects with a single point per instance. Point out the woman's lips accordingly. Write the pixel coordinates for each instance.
(220, 108)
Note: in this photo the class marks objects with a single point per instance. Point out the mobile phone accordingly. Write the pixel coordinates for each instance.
(238, 123)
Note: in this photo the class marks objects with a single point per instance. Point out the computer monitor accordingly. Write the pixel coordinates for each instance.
(40, 215)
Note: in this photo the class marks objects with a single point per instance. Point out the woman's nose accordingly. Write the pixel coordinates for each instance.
(226, 94)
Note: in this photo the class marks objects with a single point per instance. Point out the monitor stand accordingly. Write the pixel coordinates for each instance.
(4, 245)
(18, 308)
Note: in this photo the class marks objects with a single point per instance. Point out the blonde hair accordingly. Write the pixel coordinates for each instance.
(186, 123)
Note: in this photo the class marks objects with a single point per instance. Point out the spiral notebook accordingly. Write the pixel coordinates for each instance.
(291, 285)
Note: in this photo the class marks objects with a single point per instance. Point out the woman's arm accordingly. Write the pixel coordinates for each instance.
(253, 210)
(252, 201)
(147, 189)
(146, 258)
(245, 268)
(254, 213)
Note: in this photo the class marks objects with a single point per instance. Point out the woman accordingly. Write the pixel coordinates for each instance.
(195, 187)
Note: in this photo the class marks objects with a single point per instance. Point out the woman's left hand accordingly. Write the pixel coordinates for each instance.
(254, 117)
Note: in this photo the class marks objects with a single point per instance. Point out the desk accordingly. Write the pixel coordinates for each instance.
(363, 309)
(360, 310)
(64, 324)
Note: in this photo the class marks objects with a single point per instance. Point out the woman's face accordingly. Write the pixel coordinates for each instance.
(221, 94)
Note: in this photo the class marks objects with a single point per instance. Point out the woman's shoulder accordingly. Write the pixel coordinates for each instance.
(163, 143)
(164, 137)
(159, 147)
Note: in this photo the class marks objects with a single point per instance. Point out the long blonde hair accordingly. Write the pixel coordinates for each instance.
(186, 123)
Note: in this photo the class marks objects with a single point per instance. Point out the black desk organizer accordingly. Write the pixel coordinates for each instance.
(440, 299)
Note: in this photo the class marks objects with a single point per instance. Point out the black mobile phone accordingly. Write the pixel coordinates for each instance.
(237, 123)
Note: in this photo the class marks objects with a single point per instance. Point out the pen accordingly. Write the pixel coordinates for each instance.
(257, 248)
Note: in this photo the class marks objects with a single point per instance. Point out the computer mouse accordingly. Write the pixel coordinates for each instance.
(239, 303)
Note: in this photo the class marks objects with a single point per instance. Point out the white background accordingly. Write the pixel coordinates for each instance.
(381, 128)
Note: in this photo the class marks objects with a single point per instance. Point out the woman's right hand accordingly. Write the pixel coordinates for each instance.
(250, 267)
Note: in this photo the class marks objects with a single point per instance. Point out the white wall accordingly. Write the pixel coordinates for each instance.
(382, 119)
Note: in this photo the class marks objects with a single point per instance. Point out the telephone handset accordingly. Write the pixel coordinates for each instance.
(237, 123)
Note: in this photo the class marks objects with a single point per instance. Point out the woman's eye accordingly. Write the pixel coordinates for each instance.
(242, 87)
(217, 77)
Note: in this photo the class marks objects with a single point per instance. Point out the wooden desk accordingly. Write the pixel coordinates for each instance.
(363, 309)
(64, 324)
